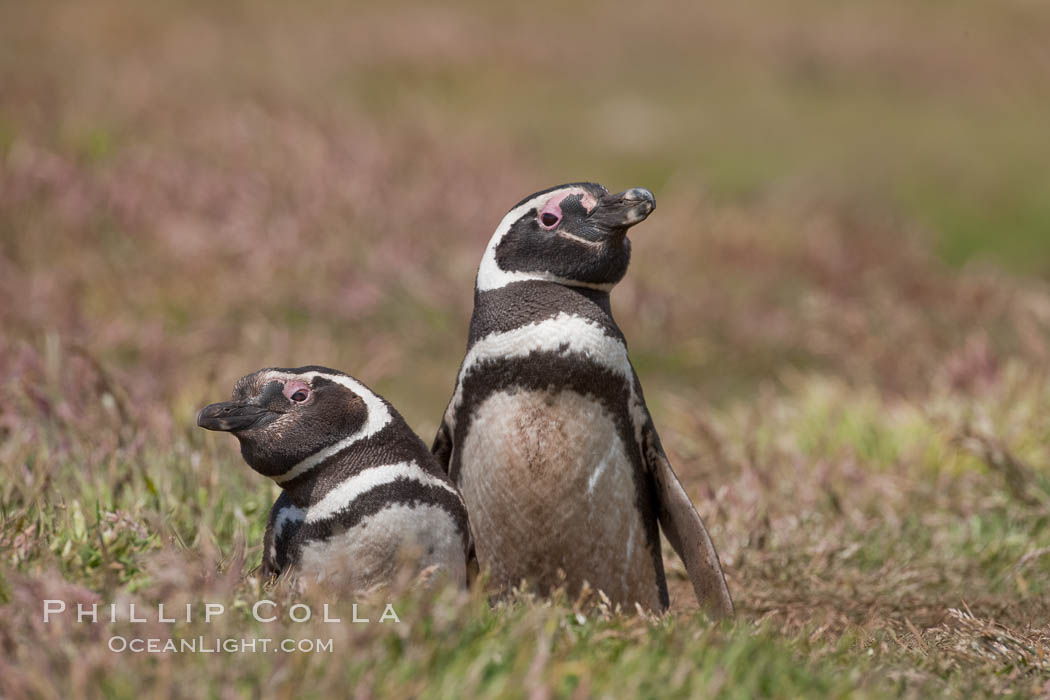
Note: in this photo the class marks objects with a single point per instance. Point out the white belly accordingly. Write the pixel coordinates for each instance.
(397, 539)
(549, 485)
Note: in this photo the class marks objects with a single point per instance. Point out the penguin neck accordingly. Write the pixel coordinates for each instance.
(552, 292)
(394, 442)
(312, 485)
(598, 297)
(521, 303)
(305, 481)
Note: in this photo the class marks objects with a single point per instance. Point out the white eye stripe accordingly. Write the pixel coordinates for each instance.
(492, 276)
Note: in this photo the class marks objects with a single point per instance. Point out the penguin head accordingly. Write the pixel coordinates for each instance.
(285, 416)
(573, 234)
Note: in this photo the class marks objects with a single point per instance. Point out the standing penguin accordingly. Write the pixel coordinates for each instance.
(547, 433)
(361, 495)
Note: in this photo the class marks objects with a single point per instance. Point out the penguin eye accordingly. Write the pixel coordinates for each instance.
(550, 215)
(297, 391)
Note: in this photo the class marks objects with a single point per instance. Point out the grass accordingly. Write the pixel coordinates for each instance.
(872, 550)
(839, 311)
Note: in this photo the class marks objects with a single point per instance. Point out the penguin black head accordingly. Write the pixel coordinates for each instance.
(573, 234)
(283, 417)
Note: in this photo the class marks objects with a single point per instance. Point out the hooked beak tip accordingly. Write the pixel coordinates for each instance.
(208, 417)
(646, 203)
(640, 194)
(628, 208)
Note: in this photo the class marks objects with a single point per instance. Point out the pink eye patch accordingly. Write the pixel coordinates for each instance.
(551, 214)
(297, 390)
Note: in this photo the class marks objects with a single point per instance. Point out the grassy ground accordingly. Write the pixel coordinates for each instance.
(840, 312)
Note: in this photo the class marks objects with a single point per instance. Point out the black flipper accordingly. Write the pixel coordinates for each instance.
(686, 532)
(442, 447)
(270, 567)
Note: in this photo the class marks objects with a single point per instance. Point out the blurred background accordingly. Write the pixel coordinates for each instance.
(190, 191)
(840, 310)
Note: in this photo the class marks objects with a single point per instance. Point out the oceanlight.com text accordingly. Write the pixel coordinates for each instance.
(217, 645)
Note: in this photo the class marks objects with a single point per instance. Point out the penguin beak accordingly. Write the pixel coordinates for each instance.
(624, 209)
(232, 417)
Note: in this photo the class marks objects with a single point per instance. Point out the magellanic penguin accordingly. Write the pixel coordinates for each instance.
(361, 496)
(547, 433)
